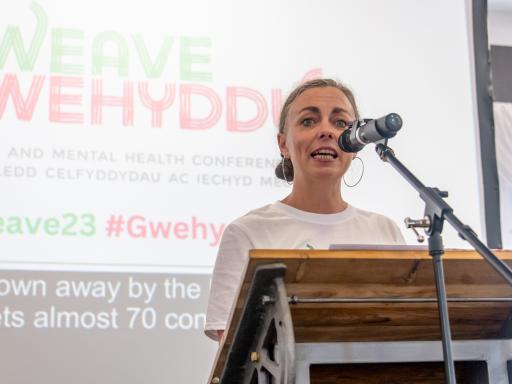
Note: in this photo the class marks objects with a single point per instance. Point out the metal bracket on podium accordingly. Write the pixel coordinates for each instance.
(267, 355)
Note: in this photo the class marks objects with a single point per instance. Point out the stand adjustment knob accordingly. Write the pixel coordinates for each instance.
(443, 194)
(413, 224)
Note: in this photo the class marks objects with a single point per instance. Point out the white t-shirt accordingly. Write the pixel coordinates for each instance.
(280, 226)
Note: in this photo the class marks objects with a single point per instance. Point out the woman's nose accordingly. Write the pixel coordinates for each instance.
(323, 134)
(327, 131)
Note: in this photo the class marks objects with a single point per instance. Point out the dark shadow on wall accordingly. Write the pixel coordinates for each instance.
(501, 68)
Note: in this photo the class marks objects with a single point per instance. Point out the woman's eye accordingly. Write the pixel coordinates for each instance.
(308, 122)
(341, 124)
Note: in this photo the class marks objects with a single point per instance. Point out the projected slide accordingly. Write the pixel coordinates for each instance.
(132, 134)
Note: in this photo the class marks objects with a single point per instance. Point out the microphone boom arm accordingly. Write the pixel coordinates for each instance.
(437, 207)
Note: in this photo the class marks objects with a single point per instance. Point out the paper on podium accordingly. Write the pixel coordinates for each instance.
(377, 247)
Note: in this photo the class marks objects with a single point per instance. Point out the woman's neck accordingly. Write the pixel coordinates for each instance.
(316, 197)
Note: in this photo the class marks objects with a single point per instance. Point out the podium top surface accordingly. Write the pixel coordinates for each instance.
(379, 274)
(397, 269)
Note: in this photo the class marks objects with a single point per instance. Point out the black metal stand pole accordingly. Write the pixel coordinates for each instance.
(437, 210)
(436, 250)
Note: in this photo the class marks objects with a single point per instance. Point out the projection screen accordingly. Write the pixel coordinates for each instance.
(131, 134)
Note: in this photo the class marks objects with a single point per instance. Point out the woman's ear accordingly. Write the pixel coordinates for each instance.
(281, 141)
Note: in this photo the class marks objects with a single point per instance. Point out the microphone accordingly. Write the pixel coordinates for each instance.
(367, 131)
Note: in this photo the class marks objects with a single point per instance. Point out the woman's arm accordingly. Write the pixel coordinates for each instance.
(230, 262)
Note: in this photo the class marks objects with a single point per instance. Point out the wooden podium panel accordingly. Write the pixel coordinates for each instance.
(387, 274)
(468, 372)
(382, 274)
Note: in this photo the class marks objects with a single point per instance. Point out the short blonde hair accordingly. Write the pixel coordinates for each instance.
(316, 83)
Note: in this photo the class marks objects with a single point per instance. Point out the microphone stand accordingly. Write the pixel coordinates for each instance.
(436, 212)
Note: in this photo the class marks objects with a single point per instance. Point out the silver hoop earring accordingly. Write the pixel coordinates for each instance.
(360, 177)
(284, 172)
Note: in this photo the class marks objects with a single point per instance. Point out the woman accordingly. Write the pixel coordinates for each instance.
(314, 214)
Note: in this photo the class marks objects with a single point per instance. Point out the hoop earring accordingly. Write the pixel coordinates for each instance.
(360, 177)
(284, 172)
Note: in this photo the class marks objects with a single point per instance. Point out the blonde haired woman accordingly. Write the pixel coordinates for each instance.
(314, 214)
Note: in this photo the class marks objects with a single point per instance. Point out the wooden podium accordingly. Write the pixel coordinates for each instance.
(365, 316)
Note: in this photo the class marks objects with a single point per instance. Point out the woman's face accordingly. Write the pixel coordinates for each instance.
(314, 123)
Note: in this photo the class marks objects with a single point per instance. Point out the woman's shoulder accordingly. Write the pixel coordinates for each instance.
(385, 224)
(375, 219)
(251, 224)
(265, 212)
(369, 215)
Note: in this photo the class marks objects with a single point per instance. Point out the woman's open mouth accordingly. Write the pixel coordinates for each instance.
(324, 154)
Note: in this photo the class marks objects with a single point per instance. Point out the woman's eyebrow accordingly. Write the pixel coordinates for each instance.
(336, 110)
(310, 109)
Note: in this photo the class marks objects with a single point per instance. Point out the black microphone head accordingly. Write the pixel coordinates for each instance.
(346, 142)
(392, 124)
(367, 131)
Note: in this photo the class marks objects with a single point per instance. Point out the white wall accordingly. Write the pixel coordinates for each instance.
(500, 27)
